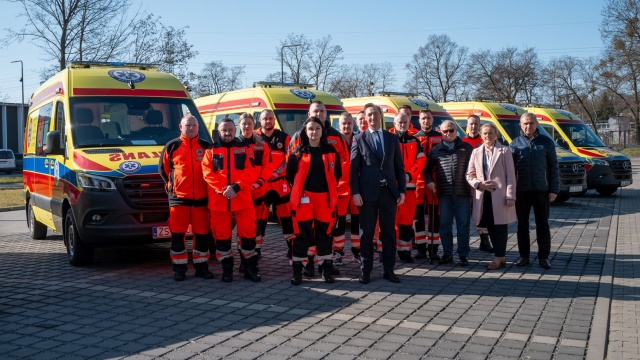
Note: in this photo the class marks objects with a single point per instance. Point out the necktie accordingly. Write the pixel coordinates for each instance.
(379, 144)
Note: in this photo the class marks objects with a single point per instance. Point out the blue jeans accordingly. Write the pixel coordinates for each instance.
(457, 206)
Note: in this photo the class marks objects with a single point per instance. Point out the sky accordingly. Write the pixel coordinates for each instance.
(248, 33)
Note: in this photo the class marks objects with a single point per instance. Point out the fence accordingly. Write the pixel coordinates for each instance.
(618, 139)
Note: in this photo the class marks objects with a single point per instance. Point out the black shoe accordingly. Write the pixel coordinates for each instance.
(432, 250)
(251, 271)
(545, 263)
(364, 278)
(420, 255)
(205, 274)
(446, 259)
(227, 269)
(179, 275)
(297, 273)
(485, 243)
(327, 267)
(389, 275)
(309, 270)
(522, 261)
(463, 261)
(335, 270)
(356, 255)
(405, 256)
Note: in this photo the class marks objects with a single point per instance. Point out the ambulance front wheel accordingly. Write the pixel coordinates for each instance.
(79, 253)
(37, 230)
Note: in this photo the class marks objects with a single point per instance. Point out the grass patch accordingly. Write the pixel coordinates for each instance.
(11, 179)
(633, 152)
(11, 197)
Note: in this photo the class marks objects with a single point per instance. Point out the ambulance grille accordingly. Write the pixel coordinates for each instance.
(145, 192)
(103, 151)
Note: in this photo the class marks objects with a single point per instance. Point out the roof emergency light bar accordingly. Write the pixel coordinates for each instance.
(552, 106)
(268, 84)
(94, 64)
(488, 99)
(394, 93)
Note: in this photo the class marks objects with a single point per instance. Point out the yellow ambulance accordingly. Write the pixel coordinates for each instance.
(290, 103)
(506, 117)
(390, 102)
(607, 170)
(92, 144)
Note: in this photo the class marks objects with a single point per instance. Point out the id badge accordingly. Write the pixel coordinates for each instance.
(304, 200)
(284, 188)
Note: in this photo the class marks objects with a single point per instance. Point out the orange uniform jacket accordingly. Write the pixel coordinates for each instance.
(231, 164)
(424, 138)
(413, 158)
(475, 142)
(277, 143)
(261, 155)
(301, 168)
(180, 168)
(335, 139)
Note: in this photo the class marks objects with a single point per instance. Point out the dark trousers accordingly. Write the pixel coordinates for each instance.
(370, 211)
(497, 233)
(540, 203)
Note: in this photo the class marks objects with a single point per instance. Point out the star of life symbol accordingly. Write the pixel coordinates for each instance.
(305, 94)
(129, 167)
(127, 76)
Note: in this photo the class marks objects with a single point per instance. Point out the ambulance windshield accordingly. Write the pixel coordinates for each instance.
(122, 121)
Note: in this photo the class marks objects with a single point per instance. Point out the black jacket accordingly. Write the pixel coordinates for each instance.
(536, 163)
(450, 168)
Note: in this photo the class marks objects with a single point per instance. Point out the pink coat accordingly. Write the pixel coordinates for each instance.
(503, 172)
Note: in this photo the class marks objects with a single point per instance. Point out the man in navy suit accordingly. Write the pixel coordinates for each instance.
(378, 186)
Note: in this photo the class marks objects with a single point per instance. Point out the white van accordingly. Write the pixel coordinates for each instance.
(7, 161)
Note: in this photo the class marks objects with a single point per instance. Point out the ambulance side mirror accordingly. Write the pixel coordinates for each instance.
(53, 144)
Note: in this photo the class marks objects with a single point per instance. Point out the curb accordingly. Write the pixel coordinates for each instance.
(599, 335)
(12, 208)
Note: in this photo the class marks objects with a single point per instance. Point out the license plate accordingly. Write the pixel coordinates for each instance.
(575, 188)
(625, 183)
(161, 232)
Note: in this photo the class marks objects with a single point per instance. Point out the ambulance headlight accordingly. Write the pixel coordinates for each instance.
(95, 182)
(599, 162)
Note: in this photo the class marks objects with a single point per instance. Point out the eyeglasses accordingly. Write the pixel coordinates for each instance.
(448, 131)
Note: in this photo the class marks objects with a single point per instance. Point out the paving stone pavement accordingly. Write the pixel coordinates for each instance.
(126, 305)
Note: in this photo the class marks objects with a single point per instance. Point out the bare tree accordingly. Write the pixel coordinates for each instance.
(294, 58)
(322, 61)
(438, 69)
(619, 68)
(215, 78)
(362, 80)
(508, 74)
(74, 29)
(569, 83)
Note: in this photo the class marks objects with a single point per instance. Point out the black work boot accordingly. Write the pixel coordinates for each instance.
(335, 270)
(297, 273)
(433, 252)
(405, 256)
(179, 274)
(422, 251)
(327, 273)
(202, 270)
(251, 270)
(227, 269)
(309, 270)
(485, 243)
(356, 254)
(243, 264)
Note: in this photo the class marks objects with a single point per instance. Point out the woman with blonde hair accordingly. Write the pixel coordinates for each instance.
(492, 173)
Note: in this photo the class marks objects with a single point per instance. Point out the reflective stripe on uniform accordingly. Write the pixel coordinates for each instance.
(180, 257)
